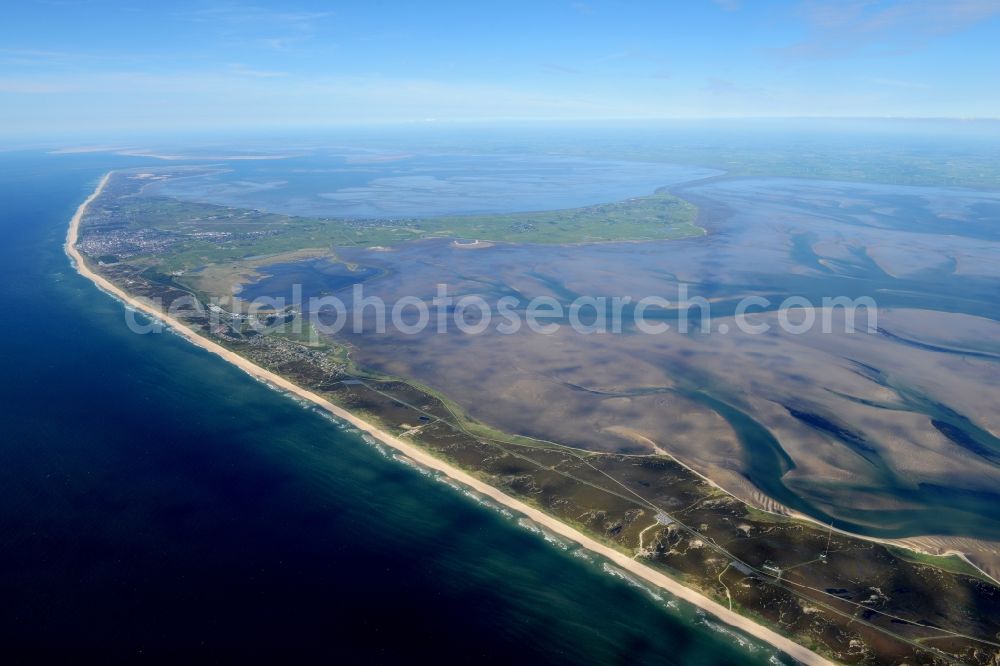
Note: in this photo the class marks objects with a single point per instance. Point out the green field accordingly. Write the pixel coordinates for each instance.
(658, 216)
(204, 234)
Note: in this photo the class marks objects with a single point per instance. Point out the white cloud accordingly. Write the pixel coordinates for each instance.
(846, 28)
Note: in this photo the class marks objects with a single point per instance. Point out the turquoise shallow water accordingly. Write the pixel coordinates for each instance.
(155, 500)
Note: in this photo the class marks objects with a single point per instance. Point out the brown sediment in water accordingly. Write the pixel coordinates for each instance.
(786, 645)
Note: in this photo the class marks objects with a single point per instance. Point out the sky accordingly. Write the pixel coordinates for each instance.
(69, 67)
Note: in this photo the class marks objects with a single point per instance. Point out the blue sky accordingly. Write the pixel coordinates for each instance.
(89, 67)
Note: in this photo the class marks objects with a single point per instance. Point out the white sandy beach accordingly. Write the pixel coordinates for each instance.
(786, 645)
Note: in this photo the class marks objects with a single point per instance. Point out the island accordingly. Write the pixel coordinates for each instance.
(814, 591)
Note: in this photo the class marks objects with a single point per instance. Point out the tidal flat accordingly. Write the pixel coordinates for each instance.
(885, 433)
(880, 434)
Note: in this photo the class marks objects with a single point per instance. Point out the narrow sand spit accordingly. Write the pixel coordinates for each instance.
(786, 645)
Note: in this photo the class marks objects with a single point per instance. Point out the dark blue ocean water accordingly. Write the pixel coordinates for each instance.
(155, 501)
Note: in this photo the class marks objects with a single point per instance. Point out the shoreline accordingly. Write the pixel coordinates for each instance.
(786, 645)
(919, 544)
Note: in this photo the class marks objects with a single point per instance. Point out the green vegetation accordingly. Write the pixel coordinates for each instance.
(658, 216)
(950, 563)
(205, 234)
